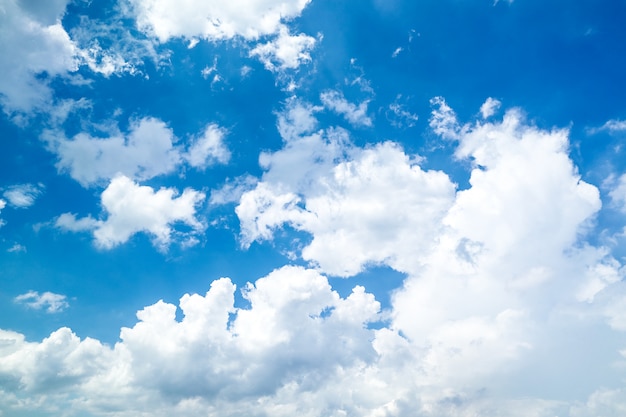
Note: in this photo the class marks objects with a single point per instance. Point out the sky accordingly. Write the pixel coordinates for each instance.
(368, 208)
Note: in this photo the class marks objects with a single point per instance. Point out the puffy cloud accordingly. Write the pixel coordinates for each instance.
(217, 359)
(213, 20)
(51, 302)
(22, 195)
(286, 51)
(208, 148)
(132, 208)
(617, 193)
(32, 42)
(489, 107)
(501, 287)
(149, 149)
(356, 115)
(360, 205)
(145, 152)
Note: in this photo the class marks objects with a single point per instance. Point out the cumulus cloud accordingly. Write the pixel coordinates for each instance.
(358, 202)
(356, 115)
(500, 287)
(149, 149)
(131, 208)
(32, 42)
(48, 301)
(213, 20)
(22, 195)
(286, 51)
(489, 107)
(293, 317)
(208, 148)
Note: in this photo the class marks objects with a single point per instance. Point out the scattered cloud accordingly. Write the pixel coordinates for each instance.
(48, 301)
(17, 248)
(398, 116)
(213, 20)
(131, 208)
(149, 149)
(22, 195)
(286, 51)
(489, 107)
(612, 126)
(208, 149)
(397, 51)
(356, 115)
(32, 42)
(2, 205)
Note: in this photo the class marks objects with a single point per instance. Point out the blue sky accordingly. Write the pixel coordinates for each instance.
(297, 207)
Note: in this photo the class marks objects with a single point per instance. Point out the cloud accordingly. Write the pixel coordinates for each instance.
(228, 360)
(146, 151)
(131, 208)
(489, 107)
(149, 149)
(612, 126)
(501, 285)
(32, 42)
(398, 116)
(286, 51)
(2, 205)
(16, 248)
(48, 301)
(397, 51)
(23, 195)
(360, 203)
(213, 20)
(208, 149)
(356, 115)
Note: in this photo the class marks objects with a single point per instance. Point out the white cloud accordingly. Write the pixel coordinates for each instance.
(213, 20)
(286, 51)
(23, 195)
(489, 107)
(131, 208)
(358, 202)
(501, 287)
(16, 248)
(356, 115)
(617, 193)
(614, 126)
(123, 52)
(228, 360)
(397, 51)
(2, 205)
(398, 116)
(32, 42)
(208, 149)
(443, 119)
(48, 301)
(149, 149)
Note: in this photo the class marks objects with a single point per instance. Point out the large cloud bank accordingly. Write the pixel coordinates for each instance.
(501, 286)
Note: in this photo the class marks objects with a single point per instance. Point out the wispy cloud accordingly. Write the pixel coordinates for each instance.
(48, 301)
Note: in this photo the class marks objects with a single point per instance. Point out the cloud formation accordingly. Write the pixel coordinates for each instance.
(22, 195)
(213, 20)
(491, 269)
(35, 47)
(149, 149)
(286, 51)
(48, 301)
(131, 208)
